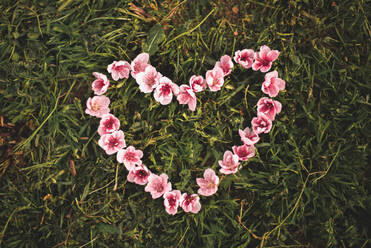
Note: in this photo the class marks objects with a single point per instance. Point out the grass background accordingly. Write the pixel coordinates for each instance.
(308, 186)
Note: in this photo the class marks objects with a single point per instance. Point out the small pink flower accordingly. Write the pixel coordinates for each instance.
(244, 152)
(190, 203)
(112, 142)
(245, 57)
(225, 64)
(100, 84)
(108, 124)
(148, 79)
(208, 184)
(130, 157)
(139, 175)
(171, 202)
(119, 69)
(187, 96)
(272, 84)
(197, 83)
(158, 185)
(139, 64)
(264, 58)
(214, 79)
(248, 137)
(164, 91)
(269, 107)
(229, 163)
(261, 124)
(97, 106)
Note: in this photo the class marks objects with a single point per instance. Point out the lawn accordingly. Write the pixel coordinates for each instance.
(308, 184)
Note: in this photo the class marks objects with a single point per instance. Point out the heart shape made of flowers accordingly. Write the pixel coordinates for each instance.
(112, 140)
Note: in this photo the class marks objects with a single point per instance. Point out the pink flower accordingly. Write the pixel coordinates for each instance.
(245, 57)
(197, 83)
(269, 107)
(100, 84)
(187, 96)
(108, 124)
(248, 137)
(190, 203)
(225, 64)
(112, 142)
(229, 163)
(119, 69)
(139, 64)
(261, 124)
(171, 202)
(244, 152)
(97, 106)
(148, 79)
(130, 157)
(214, 79)
(139, 175)
(264, 58)
(272, 84)
(208, 184)
(164, 91)
(158, 185)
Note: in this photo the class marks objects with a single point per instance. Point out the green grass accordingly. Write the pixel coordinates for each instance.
(308, 186)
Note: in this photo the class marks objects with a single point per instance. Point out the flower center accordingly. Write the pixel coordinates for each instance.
(141, 173)
(210, 185)
(100, 83)
(244, 58)
(264, 62)
(159, 188)
(165, 89)
(130, 156)
(172, 201)
(119, 68)
(188, 200)
(95, 106)
(109, 124)
(114, 142)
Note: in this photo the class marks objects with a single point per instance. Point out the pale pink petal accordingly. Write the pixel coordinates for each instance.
(130, 157)
(139, 64)
(248, 137)
(97, 106)
(187, 96)
(172, 201)
(229, 164)
(101, 84)
(139, 175)
(280, 83)
(273, 55)
(148, 80)
(261, 124)
(244, 152)
(225, 64)
(269, 107)
(164, 91)
(272, 84)
(157, 185)
(108, 124)
(264, 58)
(190, 203)
(112, 142)
(197, 83)
(215, 79)
(119, 69)
(245, 57)
(209, 184)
